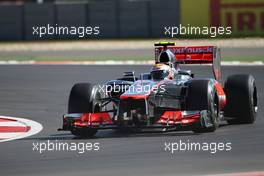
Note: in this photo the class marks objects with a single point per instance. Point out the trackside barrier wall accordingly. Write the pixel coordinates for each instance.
(71, 15)
(132, 19)
(104, 14)
(165, 14)
(11, 22)
(38, 15)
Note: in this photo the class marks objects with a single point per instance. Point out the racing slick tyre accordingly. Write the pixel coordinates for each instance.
(241, 92)
(83, 100)
(202, 96)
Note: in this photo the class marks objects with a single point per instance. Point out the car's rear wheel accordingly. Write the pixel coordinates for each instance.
(241, 92)
(83, 100)
(202, 96)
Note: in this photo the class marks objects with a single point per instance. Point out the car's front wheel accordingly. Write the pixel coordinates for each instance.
(202, 97)
(83, 100)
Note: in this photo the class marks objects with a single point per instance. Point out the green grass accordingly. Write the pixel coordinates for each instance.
(66, 58)
(117, 58)
(243, 58)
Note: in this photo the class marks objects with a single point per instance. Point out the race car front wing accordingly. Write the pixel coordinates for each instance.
(170, 119)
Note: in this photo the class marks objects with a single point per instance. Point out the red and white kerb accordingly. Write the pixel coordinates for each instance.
(15, 128)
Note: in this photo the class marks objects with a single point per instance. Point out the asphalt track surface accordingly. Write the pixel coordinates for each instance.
(40, 93)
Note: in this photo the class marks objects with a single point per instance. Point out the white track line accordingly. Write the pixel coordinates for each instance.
(111, 62)
(15, 123)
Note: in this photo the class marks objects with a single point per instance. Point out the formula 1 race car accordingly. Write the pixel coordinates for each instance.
(164, 98)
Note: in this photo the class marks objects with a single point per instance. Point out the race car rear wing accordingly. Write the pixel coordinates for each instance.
(193, 55)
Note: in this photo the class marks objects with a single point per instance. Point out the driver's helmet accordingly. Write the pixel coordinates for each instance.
(161, 71)
(166, 57)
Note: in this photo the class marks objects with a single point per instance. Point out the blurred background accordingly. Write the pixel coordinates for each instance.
(130, 22)
(129, 18)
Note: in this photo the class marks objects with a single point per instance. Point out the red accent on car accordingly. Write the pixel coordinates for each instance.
(221, 94)
(192, 54)
(94, 119)
(135, 97)
(172, 115)
(177, 117)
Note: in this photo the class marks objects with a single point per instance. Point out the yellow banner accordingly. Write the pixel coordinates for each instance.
(194, 12)
(246, 17)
